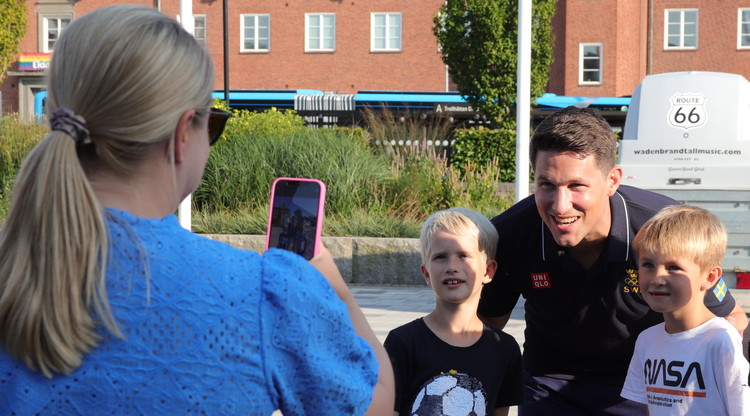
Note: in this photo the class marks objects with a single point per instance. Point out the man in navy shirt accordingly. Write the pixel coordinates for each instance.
(567, 250)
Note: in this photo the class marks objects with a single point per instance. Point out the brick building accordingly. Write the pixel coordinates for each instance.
(602, 47)
(328, 45)
(605, 47)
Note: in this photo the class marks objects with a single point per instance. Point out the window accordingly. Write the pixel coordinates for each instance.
(743, 31)
(199, 27)
(199, 31)
(256, 33)
(385, 32)
(681, 29)
(590, 64)
(52, 27)
(320, 32)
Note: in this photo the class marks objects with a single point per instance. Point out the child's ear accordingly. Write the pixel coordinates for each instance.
(425, 274)
(713, 276)
(491, 269)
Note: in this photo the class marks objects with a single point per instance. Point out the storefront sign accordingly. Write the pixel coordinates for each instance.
(33, 61)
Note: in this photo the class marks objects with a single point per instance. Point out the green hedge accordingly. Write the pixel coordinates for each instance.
(482, 146)
(259, 147)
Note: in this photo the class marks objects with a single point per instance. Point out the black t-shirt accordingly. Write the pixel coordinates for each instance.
(429, 372)
(579, 323)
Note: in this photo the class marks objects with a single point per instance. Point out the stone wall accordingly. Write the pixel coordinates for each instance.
(362, 260)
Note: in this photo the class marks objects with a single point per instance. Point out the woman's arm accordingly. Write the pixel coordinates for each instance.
(384, 394)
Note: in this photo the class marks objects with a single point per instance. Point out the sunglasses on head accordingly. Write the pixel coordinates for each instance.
(217, 120)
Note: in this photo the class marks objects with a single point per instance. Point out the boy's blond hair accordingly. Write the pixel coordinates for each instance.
(460, 221)
(685, 231)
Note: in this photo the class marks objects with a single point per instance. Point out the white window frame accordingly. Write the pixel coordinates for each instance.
(256, 35)
(199, 18)
(681, 35)
(196, 19)
(740, 33)
(46, 31)
(309, 17)
(389, 25)
(581, 67)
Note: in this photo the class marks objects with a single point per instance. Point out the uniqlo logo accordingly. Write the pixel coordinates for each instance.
(540, 281)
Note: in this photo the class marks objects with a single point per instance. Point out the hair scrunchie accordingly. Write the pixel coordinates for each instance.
(74, 125)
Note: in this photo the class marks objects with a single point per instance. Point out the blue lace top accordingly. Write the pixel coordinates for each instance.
(209, 329)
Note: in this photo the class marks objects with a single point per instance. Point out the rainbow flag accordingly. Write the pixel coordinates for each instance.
(33, 61)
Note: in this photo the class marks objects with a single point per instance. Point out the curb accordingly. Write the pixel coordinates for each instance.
(361, 260)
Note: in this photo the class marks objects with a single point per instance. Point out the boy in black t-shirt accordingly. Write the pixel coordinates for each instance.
(449, 362)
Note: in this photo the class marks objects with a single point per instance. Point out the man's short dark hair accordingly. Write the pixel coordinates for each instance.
(577, 130)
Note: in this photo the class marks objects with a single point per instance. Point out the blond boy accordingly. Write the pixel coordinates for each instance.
(692, 364)
(449, 362)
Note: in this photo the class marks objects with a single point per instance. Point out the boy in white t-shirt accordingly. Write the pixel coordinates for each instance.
(692, 364)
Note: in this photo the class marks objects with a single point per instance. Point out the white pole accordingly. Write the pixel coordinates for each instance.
(523, 100)
(188, 23)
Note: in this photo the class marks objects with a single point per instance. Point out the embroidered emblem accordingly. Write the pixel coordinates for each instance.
(720, 290)
(540, 281)
(631, 282)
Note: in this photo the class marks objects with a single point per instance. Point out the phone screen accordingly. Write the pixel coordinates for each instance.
(295, 218)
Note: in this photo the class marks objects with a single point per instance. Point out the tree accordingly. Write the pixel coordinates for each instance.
(479, 41)
(12, 30)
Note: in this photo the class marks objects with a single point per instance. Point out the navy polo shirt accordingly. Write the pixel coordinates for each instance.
(579, 323)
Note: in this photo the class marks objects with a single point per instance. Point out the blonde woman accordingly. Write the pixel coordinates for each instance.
(108, 305)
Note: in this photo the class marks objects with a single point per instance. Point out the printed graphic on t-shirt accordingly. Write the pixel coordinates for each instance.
(451, 393)
(670, 383)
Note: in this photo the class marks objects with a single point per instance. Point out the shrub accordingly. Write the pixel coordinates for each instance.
(242, 166)
(481, 146)
(17, 138)
(429, 183)
(408, 129)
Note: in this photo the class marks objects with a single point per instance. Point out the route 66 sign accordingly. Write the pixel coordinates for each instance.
(687, 111)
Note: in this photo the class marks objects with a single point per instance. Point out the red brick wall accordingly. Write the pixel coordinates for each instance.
(618, 26)
(10, 95)
(717, 39)
(350, 68)
(559, 67)
(622, 26)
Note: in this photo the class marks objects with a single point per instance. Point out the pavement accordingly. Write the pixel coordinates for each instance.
(387, 307)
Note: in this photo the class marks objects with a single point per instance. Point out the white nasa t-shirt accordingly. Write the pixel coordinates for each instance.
(700, 371)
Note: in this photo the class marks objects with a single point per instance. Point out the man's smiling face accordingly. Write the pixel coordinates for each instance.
(572, 196)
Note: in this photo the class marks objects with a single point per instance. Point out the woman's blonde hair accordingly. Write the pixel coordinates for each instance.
(130, 72)
(684, 231)
(459, 221)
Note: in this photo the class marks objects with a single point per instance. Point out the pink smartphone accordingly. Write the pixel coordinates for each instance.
(295, 220)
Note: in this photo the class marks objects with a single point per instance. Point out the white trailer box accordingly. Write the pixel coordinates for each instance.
(687, 135)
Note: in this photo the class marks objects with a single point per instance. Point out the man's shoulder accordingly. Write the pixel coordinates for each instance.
(521, 213)
(640, 204)
(644, 199)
